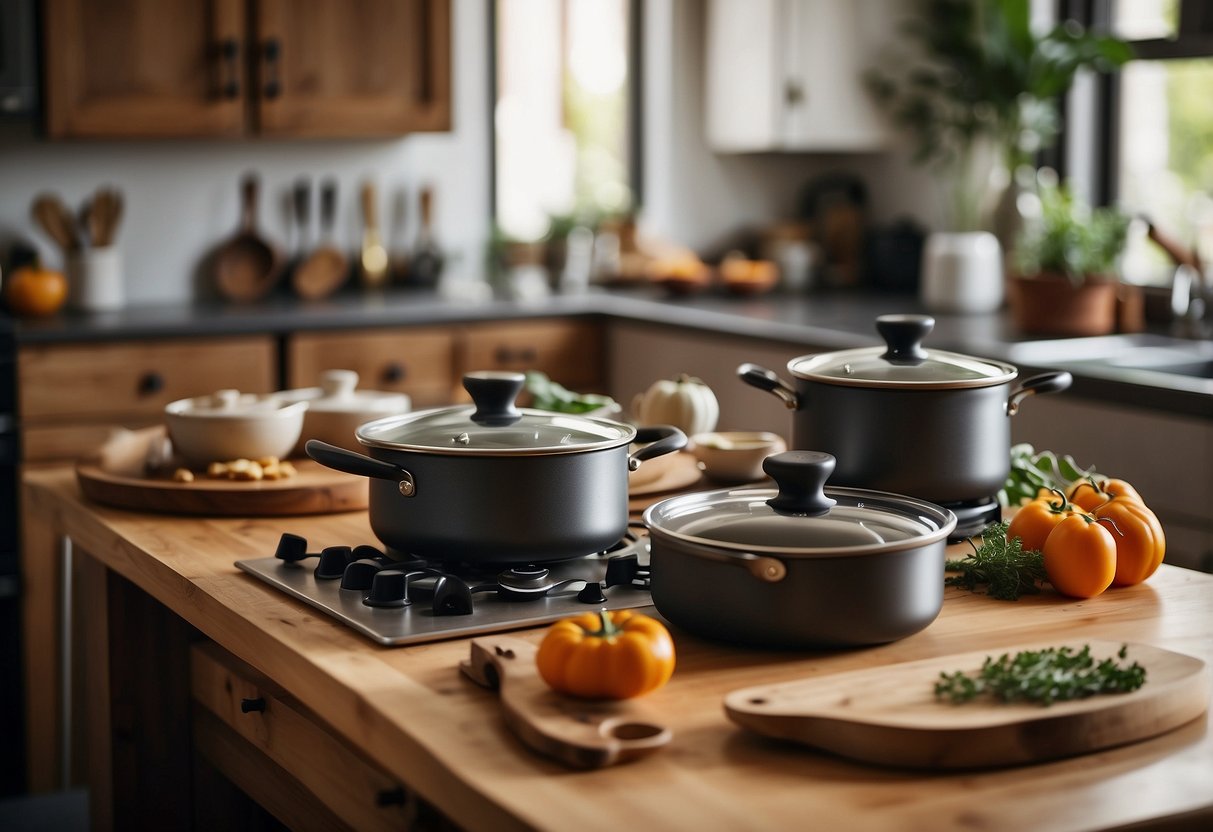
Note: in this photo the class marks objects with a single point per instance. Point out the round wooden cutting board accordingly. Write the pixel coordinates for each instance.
(315, 489)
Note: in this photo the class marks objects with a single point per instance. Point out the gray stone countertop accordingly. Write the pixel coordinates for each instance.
(828, 321)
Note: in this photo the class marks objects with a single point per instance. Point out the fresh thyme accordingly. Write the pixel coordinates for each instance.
(1054, 674)
(1001, 565)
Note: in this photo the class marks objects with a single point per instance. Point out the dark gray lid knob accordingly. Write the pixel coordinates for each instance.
(903, 334)
(494, 394)
(801, 477)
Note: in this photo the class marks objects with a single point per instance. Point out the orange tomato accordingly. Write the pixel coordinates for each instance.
(32, 291)
(1080, 557)
(606, 655)
(1033, 523)
(1090, 493)
(1140, 543)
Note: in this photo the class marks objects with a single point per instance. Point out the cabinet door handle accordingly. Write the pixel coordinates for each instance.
(394, 372)
(229, 54)
(271, 52)
(150, 383)
(793, 92)
(248, 706)
(523, 355)
(391, 797)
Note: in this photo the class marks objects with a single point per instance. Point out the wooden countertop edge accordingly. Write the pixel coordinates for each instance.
(400, 722)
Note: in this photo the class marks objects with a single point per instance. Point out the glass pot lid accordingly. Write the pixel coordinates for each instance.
(902, 362)
(802, 518)
(493, 426)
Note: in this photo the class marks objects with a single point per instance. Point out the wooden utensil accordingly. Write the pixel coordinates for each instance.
(374, 258)
(579, 733)
(326, 268)
(890, 716)
(247, 266)
(105, 213)
(54, 217)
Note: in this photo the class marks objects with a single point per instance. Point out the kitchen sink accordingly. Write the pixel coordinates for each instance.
(1137, 357)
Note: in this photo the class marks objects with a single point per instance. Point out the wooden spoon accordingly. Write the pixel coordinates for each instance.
(247, 266)
(374, 255)
(53, 216)
(324, 270)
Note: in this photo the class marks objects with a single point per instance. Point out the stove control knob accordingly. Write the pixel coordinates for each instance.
(591, 594)
(451, 596)
(333, 560)
(360, 575)
(365, 552)
(389, 588)
(291, 548)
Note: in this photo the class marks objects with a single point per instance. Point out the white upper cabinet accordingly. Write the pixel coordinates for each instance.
(786, 75)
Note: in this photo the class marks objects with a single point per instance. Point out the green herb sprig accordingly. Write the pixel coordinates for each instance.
(1054, 674)
(1002, 566)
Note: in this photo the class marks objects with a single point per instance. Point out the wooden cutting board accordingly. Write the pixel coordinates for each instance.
(315, 489)
(580, 733)
(889, 715)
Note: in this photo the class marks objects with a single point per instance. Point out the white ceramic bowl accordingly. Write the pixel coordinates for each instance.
(229, 425)
(735, 456)
(336, 409)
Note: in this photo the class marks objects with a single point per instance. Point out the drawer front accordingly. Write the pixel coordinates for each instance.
(359, 793)
(85, 383)
(570, 352)
(420, 362)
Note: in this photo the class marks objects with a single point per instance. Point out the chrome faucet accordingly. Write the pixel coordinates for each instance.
(1189, 302)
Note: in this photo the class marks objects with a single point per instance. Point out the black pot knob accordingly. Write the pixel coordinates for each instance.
(904, 334)
(389, 588)
(451, 596)
(494, 394)
(801, 477)
(291, 548)
(360, 575)
(333, 560)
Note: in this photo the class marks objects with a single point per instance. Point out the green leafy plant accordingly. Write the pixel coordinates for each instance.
(983, 74)
(1002, 566)
(1070, 238)
(1054, 674)
(1032, 470)
(548, 395)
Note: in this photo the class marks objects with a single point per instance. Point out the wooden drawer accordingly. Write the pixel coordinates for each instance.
(91, 383)
(420, 362)
(569, 351)
(279, 754)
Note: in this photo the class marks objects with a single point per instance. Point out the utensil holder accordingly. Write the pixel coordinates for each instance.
(95, 280)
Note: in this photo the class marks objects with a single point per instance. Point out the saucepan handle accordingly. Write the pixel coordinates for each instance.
(767, 569)
(1053, 382)
(765, 379)
(662, 439)
(339, 459)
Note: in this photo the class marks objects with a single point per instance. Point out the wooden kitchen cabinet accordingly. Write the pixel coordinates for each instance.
(569, 350)
(71, 396)
(216, 68)
(806, 91)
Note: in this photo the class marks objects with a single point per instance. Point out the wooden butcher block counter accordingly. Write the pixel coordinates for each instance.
(166, 683)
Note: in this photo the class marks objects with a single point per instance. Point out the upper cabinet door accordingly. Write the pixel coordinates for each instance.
(786, 75)
(352, 68)
(145, 68)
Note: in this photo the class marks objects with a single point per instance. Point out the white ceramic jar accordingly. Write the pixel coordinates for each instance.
(337, 408)
(962, 272)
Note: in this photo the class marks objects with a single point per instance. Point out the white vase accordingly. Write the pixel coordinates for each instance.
(962, 272)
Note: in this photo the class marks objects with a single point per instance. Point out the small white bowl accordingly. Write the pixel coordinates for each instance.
(735, 456)
(228, 425)
(336, 409)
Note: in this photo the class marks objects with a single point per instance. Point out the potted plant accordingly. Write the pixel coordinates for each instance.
(1066, 262)
(980, 98)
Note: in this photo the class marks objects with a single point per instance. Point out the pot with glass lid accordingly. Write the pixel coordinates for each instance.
(906, 419)
(493, 483)
(800, 565)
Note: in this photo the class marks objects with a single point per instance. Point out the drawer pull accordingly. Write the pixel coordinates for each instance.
(271, 51)
(150, 383)
(251, 705)
(390, 797)
(394, 372)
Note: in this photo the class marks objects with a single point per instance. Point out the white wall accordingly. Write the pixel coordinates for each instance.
(182, 197)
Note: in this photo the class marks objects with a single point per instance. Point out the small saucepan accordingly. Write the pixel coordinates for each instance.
(801, 565)
(904, 419)
(493, 483)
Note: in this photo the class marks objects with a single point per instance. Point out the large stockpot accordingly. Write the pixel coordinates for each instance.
(492, 483)
(800, 566)
(904, 419)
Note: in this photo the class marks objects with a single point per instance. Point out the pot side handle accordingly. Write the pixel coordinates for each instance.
(1053, 382)
(664, 439)
(767, 569)
(339, 459)
(765, 379)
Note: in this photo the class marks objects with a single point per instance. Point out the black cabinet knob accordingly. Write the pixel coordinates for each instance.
(271, 52)
(390, 797)
(150, 383)
(252, 705)
(394, 372)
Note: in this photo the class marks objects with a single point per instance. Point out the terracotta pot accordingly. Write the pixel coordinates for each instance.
(1048, 304)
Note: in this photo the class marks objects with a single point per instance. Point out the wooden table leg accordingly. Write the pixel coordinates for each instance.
(136, 661)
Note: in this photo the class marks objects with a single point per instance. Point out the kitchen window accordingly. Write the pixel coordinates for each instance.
(1152, 136)
(564, 113)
